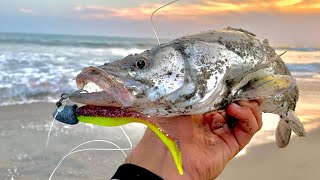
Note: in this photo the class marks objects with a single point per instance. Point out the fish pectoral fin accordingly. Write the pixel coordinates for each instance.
(265, 86)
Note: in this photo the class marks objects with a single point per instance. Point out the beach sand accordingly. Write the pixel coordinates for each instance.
(300, 160)
(24, 129)
(308, 106)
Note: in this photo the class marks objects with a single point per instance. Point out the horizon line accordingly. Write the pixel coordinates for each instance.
(166, 39)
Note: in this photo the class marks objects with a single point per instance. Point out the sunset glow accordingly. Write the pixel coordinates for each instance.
(201, 8)
(283, 22)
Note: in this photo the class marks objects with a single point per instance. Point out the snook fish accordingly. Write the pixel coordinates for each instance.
(196, 74)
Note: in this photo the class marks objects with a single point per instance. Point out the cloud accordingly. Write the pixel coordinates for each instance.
(27, 11)
(200, 9)
(99, 12)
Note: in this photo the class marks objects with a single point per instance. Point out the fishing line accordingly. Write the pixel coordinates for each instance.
(73, 151)
(60, 104)
(154, 30)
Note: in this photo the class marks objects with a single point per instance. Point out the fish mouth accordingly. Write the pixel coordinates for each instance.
(100, 88)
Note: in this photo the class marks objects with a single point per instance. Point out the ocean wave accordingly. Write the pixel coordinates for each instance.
(124, 52)
(308, 75)
(29, 93)
(308, 67)
(303, 49)
(307, 70)
(29, 74)
(300, 57)
(76, 41)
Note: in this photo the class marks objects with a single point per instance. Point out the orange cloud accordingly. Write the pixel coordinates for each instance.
(202, 8)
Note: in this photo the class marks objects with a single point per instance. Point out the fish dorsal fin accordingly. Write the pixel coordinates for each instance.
(265, 42)
(256, 85)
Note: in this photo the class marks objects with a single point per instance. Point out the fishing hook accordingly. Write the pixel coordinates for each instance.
(64, 96)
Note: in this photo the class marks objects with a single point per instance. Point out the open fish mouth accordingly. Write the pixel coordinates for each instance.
(99, 88)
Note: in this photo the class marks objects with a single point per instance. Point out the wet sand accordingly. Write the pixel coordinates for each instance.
(23, 133)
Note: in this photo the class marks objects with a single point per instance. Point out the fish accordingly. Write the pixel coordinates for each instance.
(197, 74)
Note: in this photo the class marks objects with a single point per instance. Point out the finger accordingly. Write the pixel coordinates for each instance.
(223, 114)
(259, 101)
(215, 120)
(225, 133)
(218, 127)
(247, 124)
(245, 117)
(255, 108)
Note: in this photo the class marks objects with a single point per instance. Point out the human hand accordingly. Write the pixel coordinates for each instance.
(207, 142)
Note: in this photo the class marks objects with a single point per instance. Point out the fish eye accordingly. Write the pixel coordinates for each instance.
(141, 63)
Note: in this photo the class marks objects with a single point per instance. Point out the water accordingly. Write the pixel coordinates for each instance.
(39, 68)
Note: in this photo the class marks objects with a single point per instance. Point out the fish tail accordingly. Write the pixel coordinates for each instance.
(295, 124)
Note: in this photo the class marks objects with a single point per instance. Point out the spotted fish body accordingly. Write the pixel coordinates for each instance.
(196, 74)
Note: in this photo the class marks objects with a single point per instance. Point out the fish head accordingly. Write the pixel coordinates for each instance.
(138, 80)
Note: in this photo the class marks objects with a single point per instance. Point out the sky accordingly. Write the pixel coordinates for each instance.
(283, 22)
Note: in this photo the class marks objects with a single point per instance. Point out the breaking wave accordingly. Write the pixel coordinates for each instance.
(38, 68)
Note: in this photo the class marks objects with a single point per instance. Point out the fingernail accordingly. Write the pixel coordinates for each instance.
(236, 105)
(217, 125)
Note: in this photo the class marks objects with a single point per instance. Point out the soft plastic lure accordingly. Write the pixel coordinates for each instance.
(112, 116)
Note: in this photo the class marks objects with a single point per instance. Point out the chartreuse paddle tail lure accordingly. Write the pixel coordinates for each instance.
(112, 116)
